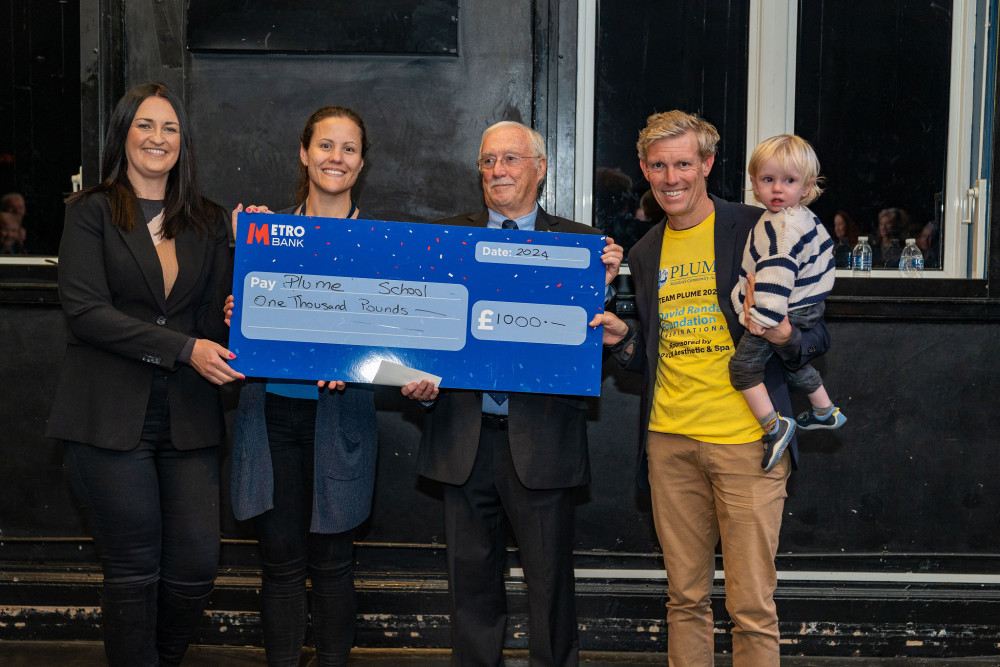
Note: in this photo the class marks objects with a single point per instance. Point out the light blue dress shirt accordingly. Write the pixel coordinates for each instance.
(525, 222)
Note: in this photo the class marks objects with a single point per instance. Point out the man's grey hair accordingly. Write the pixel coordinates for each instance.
(537, 140)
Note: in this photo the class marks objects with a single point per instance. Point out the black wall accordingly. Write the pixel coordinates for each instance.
(424, 114)
(902, 502)
(908, 486)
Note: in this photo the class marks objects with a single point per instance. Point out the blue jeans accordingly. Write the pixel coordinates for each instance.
(154, 514)
(746, 366)
(289, 552)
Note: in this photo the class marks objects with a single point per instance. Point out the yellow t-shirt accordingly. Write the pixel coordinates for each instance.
(693, 395)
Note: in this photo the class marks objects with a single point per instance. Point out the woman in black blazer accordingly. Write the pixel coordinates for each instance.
(144, 268)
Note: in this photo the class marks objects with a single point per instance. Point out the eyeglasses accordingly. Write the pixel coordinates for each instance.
(489, 162)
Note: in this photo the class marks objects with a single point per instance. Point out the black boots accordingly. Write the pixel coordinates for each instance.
(129, 615)
(149, 625)
(178, 620)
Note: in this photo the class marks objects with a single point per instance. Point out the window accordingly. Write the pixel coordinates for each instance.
(641, 68)
(896, 96)
(40, 118)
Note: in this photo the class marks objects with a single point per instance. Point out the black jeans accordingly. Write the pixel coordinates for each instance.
(154, 514)
(289, 552)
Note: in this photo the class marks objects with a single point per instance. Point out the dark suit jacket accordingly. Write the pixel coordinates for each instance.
(733, 223)
(121, 329)
(548, 432)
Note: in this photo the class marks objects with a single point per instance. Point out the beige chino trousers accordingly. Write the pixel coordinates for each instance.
(702, 492)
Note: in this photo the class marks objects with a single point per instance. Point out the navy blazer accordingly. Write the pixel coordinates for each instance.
(121, 329)
(733, 223)
(547, 432)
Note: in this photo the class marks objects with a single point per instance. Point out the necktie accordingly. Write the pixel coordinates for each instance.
(499, 396)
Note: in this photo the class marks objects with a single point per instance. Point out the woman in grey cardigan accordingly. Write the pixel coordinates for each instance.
(304, 451)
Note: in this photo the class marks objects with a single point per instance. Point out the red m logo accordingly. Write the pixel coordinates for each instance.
(258, 234)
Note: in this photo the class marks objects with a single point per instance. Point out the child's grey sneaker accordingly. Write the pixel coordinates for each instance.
(776, 443)
(808, 421)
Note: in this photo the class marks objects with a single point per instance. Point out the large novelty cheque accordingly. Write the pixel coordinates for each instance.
(388, 302)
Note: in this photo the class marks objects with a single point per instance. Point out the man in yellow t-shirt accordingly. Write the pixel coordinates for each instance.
(701, 453)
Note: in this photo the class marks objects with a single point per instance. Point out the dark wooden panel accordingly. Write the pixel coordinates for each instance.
(427, 27)
(912, 472)
(424, 117)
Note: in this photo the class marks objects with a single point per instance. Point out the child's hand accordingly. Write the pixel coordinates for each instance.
(754, 328)
(747, 320)
(780, 334)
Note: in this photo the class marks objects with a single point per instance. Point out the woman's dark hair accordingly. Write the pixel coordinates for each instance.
(183, 203)
(851, 227)
(302, 182)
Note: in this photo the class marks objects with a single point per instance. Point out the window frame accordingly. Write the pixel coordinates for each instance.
(773, 68)
(973, 94)
(34, 279)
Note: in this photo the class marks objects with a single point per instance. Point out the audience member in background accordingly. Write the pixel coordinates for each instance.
(615, 205)
(892, 222)
(929, 242)
(13, 205)
(651, 211)
(845, 234)
(13, 202)
(11, 235)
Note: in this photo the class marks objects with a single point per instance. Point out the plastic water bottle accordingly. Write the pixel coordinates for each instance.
(861, 258)
(911, 261)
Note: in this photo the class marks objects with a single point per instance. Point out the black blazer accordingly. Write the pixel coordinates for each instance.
(733, 223)
(121, 329)
(548, 432)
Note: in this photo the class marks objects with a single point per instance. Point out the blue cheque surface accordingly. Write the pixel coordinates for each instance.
(329, 299)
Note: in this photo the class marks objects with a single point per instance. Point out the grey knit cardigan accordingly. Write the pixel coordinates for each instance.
(346, 445)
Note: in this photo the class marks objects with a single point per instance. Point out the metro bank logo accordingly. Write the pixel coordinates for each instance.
(287, 235)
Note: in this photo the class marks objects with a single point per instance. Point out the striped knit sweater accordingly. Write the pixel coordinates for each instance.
(791, 255)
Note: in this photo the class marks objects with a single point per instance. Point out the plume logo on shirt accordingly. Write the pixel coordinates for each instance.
(683, 273)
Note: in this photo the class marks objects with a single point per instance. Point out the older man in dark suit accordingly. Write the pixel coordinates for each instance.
(513, 457)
